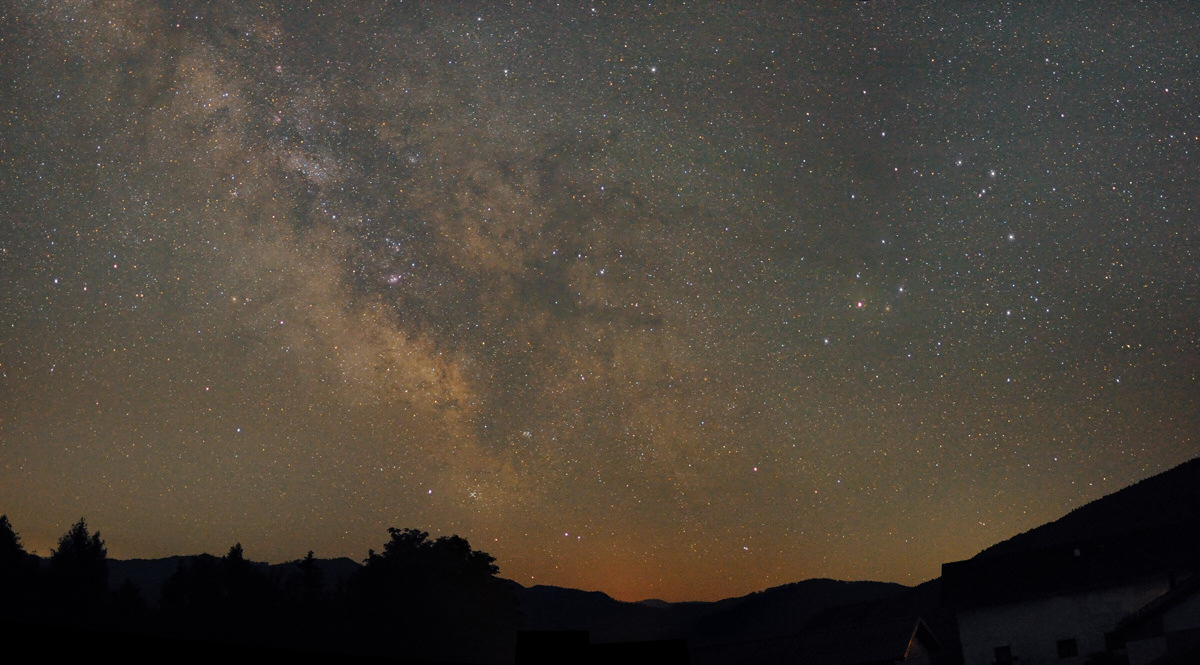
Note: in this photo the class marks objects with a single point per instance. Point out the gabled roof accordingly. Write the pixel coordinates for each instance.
(1068, 568)
(1156, 607)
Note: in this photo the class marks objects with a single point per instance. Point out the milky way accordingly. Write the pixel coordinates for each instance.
(661, 301)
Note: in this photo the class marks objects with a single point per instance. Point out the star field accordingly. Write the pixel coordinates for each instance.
(661, 300)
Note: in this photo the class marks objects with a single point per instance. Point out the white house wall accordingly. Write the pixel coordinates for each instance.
(1033, 628)
(1141, 652)
(1184, 615)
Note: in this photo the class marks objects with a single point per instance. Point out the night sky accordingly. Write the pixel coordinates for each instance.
(660, 300)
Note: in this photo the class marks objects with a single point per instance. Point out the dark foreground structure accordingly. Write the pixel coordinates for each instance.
(1115, 582)
(885, 642)
(551, 647)
(57, 641)
(1100, 600)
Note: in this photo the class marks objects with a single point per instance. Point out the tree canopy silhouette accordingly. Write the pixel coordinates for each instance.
(437, 596)
(11, 552)
(306, 587)
(17, 572)
(418, 597)
(79, 572)
(229, 598)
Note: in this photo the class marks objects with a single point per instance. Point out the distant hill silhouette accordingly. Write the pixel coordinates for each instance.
(150, 574)
(783, 609)
(1161, 513)
(841, 627)
(777, 610)
(1167, 501)
(607, 620)
(763, 613)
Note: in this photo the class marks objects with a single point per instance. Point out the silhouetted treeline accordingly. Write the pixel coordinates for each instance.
(419, 598)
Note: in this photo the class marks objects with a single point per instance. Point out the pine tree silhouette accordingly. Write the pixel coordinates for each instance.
(18, 573)
(78, 574)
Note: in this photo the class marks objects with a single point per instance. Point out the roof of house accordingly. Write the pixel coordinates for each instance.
(1068, 568)
(1156, 607)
